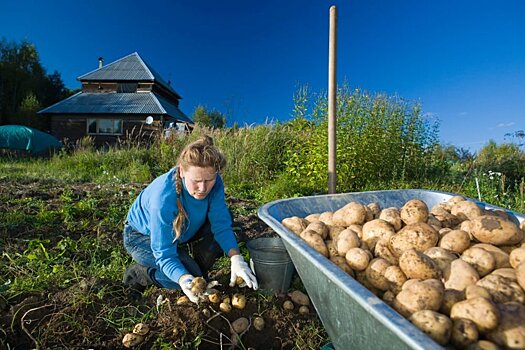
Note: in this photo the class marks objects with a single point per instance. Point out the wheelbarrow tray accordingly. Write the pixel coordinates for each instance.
(353, 317)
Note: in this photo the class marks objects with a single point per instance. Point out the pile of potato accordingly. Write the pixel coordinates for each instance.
(457, 271)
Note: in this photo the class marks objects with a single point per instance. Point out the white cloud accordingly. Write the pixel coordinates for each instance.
(505, 125)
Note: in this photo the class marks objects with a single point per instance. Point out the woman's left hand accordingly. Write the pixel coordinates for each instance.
(239, 268)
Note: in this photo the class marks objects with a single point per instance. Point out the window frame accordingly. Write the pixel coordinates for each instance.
(97, 127)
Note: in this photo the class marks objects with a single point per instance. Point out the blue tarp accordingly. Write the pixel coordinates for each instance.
(24, 138)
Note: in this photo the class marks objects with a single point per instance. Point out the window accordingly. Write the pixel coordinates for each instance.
(104, 126)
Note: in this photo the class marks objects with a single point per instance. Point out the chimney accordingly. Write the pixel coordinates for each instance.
(100, 62)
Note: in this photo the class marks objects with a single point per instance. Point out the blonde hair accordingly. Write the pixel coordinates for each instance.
(203, 154)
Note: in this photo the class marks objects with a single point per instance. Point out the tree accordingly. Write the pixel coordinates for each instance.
(24, 84)
(213, 119)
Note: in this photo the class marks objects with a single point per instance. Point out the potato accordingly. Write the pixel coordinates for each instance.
(464, 332)
(419, 236)
(415, 264)
(474, 291)
(315, 241)
(481, 311)
(375, 230)
(510, 331)
(382, 250)
(357, 258)
(346, 240)
(435, 223)
(502, 258)
(502, 289)
(295, 224)
(375, 273)
(258, 323)
(437, 326)
(459, 274)
(342, 264)
(520, 275)
(481, 260)
(388, 297)
(414, 211)
(392, 216)
(455, 199)
(332, 250)
(483, 345)
(375, 209)
(358, 229)
(395, 277)
(517, 256)
(495, 230)
(334, 231)
(445, 217)
(198, 285)
(319, 227)
(444, 231)
(466, 210)
(141, 329)
(352, 213)
(456, 241)
(442, 257)
(419, 295)
(450, 297)
(239, 301)
(299, 298)
(326, 217)
(312, 217)
(240, 325)
(131, 340)
(360, 277)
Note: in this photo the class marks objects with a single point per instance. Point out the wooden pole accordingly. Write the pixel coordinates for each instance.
(332, 103)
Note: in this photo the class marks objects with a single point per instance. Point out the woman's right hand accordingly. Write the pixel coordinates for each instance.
(185, 285)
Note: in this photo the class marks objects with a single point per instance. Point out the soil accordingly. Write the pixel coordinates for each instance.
(49, 319)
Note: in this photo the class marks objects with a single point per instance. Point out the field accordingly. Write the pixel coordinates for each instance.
(63, 256)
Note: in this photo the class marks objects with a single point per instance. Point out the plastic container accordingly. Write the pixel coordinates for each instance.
(272, 264)
(353, 317)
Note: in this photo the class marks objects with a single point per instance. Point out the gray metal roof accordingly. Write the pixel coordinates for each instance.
(116, 103)
(131, 67)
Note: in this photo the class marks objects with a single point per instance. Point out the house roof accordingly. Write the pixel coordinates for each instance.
(116, 103)
(129, 68)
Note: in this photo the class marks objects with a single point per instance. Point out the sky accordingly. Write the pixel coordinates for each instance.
(463, 61)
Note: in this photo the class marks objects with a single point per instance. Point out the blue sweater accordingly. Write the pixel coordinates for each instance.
(154, 210)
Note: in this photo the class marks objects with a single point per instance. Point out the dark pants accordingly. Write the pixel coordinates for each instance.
(198, 254)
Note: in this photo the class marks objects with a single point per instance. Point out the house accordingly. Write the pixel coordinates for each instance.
(119, 99)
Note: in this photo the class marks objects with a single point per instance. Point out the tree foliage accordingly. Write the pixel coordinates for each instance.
(210, 119)
(25, 87)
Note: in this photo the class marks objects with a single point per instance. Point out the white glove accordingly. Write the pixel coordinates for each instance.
(240, 268)
(185, 285)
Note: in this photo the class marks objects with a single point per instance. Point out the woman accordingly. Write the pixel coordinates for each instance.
(184, 205)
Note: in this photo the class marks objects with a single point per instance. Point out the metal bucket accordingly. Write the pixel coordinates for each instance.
(271, 263)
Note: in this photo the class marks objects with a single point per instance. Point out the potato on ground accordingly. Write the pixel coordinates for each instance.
(419, 236)
(375, 230)
(437, 326)
(419, 295)
(414, 211)
(444, 216)
(295, 224)
(510, 331)
(352, 213)
(456, 241)
(481, 311)
(480, 259)
(495, 230)
(459, 275)
(346, 240)
(442, 257)
(464, 332)
(315, 241)
(417, 265)
(502, 288)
